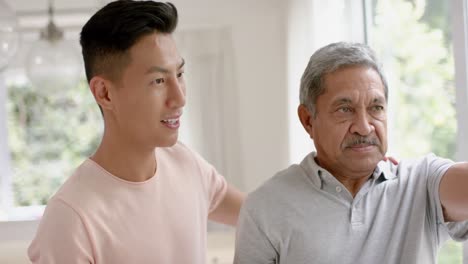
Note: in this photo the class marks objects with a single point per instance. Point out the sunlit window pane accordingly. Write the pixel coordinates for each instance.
(49, 135)
(414, 39)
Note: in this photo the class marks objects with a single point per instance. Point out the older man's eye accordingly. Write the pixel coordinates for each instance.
(378, 108)
(345, 109)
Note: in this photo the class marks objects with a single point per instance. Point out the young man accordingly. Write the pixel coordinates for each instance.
(342, 204)
(142, 197)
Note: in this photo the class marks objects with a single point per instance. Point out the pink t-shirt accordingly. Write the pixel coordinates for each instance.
(98, 218)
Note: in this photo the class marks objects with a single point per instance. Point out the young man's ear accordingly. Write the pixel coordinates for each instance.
(306, 118)
(99, 86)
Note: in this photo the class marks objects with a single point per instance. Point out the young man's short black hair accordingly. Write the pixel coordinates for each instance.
(109, 34)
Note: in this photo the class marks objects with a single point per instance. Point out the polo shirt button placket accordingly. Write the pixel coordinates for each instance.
(356, 216)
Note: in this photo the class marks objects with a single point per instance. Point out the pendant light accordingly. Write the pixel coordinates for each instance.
(53, 65)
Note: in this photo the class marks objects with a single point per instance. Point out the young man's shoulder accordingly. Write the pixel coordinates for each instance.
(86, 185)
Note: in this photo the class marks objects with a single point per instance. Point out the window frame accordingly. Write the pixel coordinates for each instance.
(459, 10)
(6, 194)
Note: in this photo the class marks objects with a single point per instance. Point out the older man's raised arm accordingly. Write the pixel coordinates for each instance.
(454, 193)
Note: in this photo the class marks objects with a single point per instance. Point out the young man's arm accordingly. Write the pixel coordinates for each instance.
(60, 238)
(454, 193)
(227, 212)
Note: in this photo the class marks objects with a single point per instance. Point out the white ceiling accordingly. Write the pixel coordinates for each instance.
(41, 5)
(69, 14)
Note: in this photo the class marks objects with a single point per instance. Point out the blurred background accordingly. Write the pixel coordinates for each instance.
(244, 62)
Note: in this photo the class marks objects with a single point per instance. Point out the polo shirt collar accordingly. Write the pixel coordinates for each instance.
(319, 175)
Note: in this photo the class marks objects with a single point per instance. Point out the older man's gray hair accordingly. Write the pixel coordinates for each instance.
(329, 59)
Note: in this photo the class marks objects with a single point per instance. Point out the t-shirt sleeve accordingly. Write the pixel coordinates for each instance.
(252, 244)
(436, 169)
(217, 187)
(61, 237)
(214, 183)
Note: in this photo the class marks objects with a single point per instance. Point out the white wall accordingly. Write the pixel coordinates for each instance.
(259, 135)
(312, 24)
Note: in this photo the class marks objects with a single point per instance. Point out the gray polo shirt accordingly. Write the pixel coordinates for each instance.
(304, 215)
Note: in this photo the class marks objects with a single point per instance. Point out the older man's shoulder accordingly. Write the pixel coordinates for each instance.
(278, 188)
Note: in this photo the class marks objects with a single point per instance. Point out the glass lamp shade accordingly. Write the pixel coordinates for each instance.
(53, 66)
(9, 36)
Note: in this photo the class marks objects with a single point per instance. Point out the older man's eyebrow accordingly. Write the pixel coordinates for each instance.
(342, 101)
(154, 69)
(379, 100)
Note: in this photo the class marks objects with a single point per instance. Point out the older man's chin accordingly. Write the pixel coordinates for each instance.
(364, 159)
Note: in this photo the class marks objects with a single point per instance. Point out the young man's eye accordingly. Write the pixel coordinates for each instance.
(180, 74)
(158, 81)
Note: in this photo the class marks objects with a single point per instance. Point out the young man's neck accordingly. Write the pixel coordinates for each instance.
(122, 159)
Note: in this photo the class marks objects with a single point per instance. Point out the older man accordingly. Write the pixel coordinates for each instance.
(342, 203)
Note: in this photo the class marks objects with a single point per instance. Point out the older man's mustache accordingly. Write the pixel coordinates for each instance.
(360, 140)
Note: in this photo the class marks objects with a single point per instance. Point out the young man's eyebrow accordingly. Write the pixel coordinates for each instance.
(181, 64)
(153, 69)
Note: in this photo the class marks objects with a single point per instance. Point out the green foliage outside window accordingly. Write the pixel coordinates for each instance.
(50, 133)
(422, 66)
(451, 253)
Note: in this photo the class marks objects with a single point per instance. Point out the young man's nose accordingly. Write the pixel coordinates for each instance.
(176, 94)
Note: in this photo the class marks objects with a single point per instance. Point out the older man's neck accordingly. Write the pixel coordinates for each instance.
(353, 181)
(353, 184)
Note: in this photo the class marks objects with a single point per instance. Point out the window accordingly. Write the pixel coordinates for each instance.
(49, 134)
(414, 40)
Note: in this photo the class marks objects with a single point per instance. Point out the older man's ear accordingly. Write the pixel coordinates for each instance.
(306, 118)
